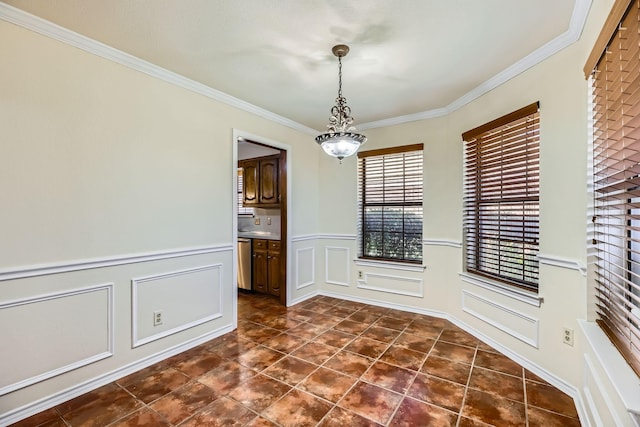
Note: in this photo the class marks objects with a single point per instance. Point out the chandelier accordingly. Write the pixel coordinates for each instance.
(339, 141)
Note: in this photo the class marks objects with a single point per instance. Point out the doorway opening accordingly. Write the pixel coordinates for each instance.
(261, 217)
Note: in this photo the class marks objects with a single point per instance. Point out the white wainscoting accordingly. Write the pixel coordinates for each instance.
(337, 265)
(305, 267)
(88, 264)
(557, 261)
(401, 285)
(514, 323)
(186, 298)
(58, 332)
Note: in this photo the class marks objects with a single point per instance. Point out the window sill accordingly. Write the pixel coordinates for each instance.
(506, 290)
(390, 264)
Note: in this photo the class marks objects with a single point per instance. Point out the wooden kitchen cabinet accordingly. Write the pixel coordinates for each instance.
(267, 277)
(261, 181)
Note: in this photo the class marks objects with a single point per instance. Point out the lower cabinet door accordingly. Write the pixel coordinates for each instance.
(260, 276)
(273, 272)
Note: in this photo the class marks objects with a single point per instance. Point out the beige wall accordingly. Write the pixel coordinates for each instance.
(532, 335)
(117, 201)
(103, 164)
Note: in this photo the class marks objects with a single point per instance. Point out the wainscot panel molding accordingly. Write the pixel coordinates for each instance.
(442, 242)
(392, 284)
(557, 382)
(51, 30)
(305, 267)
(336, 265)
(88, 264)
(304, 237)
(389, 265)
(562, 262)
(508, 291)
(84, 314)
(502, 317)
(186, 298)
(109, 377)
(610, 375)
(599, 414)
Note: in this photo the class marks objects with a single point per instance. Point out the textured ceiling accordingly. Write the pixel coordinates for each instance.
(407, 56)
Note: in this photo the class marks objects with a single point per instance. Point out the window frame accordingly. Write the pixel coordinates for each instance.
(377, 155)
(615, 149)
(501, 143)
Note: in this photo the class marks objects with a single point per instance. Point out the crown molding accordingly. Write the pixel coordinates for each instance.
(576, 24)
(49, 29)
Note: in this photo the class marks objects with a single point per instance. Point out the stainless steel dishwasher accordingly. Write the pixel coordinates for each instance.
(244, 263)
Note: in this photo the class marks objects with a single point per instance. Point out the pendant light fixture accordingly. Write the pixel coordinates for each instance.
(339, 141)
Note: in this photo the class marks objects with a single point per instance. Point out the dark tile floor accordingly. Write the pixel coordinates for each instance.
(325, 362)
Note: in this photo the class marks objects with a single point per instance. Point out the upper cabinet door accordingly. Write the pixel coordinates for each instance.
(269, 181)
(261, 181)
(250, 180)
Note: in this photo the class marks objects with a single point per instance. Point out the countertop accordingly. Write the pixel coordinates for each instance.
(258, 235)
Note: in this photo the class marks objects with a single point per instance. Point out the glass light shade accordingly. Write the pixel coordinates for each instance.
(341, 144)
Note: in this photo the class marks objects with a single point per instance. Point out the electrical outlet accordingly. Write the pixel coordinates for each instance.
(268, 221)
(360, 275)
(567, 336)
(157, 318)
(257, 221)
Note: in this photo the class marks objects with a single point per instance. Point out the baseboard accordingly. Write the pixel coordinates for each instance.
(87, 386)
(303, 298)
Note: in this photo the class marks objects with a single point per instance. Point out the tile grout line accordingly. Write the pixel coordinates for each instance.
(466, 387)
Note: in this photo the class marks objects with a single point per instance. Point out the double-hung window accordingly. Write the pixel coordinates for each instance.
(390, 204)
(501, 199)
(613, 68)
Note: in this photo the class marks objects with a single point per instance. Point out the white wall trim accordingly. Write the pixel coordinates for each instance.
(385, 304)
(337, 236)
(442, 242)
(303, 298)
(326, 265)
(304, 237)
(313, 267)
(389, 265)
(362, 284)
(49, 29)
(622, 377)
(508, 291)
(136, 342)
(557, 261)
(64, 35)
(106, 378)
(532, 341)
(87, 264)
(79, 363)
(578, 19)
(590, 369)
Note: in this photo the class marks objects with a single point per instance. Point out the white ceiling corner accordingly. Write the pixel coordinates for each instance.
(409, 59)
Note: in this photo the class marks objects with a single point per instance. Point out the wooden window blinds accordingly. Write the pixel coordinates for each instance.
(390, 203)
(501, 198)
(614, 69)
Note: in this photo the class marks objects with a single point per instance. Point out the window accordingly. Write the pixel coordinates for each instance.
(390, 204)
(501, 198)
(613, 69)
(241, 209)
